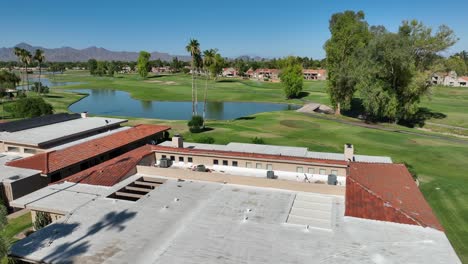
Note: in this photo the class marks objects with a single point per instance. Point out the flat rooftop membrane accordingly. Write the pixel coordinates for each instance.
(205, 222)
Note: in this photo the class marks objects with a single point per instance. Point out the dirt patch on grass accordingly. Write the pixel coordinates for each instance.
(161, 82)
(298, 124)
(249, 134)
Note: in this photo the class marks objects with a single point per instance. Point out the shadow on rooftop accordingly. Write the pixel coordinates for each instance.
(67, 251)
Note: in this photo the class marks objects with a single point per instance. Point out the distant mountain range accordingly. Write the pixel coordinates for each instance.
(66, 54)
(70, 54)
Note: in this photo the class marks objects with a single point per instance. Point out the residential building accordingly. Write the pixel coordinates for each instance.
(449, 79)
(38, 135)
(311, 74)
(229, 72)
(165, 69)
(17, 182)
(128, 210)
(60, 163)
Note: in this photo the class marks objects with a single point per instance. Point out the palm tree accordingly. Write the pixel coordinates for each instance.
(40, 58)
(208, 58)
(18, 53)
(193, 47)
(26, 58)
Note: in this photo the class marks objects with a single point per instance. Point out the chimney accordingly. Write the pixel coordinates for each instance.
(84, 115)
(349, 152)
(177, 141)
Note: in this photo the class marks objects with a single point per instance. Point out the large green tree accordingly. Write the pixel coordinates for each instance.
(29, 107)
(349, 33)
(142, 63)
(193, 47)
(426, 44)
(92, 66)
(395, 68)
(292, 77)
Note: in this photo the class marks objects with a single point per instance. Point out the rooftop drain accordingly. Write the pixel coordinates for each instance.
(137, 189)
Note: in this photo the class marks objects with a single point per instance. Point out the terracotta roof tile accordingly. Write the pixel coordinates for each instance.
(246, 155)
(112, 171)
(55, 160)
(386, 192)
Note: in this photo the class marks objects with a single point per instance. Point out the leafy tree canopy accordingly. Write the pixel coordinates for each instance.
(292, 77)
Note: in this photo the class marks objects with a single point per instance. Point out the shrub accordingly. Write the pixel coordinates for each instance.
(42, 220)
(205, 139)
(29, 107)
(39, 88)
(257, 140)
(196, 124)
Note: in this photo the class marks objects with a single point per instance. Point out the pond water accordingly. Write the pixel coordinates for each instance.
(120, 103)
(47, 82)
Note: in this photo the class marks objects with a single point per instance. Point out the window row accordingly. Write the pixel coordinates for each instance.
(312, 171)
(257, 165)
(181, 159)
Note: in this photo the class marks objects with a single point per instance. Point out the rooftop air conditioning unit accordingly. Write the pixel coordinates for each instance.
(332, 179)
(201, 168)
(271, 175)
(165, 163)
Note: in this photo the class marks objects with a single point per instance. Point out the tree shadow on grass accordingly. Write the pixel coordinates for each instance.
(302, 95)
(245, 118)
(155, 76)
(227, 81)
(53, 96)
(419, 119)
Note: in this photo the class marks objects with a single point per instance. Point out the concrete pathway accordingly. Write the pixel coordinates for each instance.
(18, 213)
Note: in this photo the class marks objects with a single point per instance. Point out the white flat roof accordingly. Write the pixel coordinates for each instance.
(280, 150)
(58, 131)
(11, 174)
(206, 222)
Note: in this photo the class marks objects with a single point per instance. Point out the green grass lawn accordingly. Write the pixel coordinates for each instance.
(450, 101)
(17, 225)
(179, 88)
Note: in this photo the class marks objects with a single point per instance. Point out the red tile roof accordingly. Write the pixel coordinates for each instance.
(112, 171)
(386, 192)
(55, 160)
(464, 78)
(246, 155)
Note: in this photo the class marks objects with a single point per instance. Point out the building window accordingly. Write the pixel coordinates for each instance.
(234, 163)
(269, 167)
(323, 171)
(173, 158)
(225, 162)
(190, 159)
(215, 162)
(13, 149)
(310, 170)
(29, 151)
(163, 156)
(334, 172)
(299, 170)
(248, 165)
(181, 159)
(259, 165)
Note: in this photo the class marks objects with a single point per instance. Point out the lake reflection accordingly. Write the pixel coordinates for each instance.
(119, 103)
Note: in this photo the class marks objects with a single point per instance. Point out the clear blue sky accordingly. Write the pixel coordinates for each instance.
(253, 27)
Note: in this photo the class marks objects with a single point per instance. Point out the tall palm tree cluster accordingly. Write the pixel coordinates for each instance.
(25, 57)
(201, 64)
